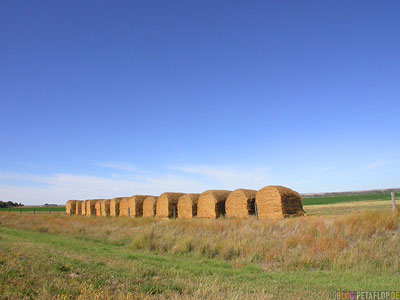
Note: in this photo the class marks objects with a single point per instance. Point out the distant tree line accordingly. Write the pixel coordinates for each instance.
(8, 204)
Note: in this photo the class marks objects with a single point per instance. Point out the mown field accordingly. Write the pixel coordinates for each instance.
(53, 256)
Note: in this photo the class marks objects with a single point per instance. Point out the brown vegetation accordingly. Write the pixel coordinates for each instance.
(187, 206)
(211, 204)
(278, 202)
(240, 203)
(167, 205)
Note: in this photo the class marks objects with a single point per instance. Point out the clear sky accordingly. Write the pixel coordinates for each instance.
(100, 99)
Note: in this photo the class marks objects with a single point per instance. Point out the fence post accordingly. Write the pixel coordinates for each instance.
(129, 211)
(49, 210)
(393, 201)
(174, 212)
(20, 211)
(255, 209)
(34, 211)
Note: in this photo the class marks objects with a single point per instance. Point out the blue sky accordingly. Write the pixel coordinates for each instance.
(115, 98)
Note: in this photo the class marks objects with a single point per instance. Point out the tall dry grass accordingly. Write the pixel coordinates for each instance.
(364, 241)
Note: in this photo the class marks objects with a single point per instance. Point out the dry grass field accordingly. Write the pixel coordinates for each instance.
(345, 246)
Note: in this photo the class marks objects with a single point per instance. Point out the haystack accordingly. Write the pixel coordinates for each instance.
(105, 207)
(78, 207)
(167, 205)
(132, 206)
(149, 206)
(278, 202)
(83, 208)
(97, 207)
(211, 204)
(91, 207)
(187, 206)
(240, 203)
(70, 207)
(114, 206)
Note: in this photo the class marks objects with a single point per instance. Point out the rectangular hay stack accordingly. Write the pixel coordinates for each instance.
(149, 206)
(240, 203)
(114, 206)
(97, 207)
(167, 205)
(187, 206)
(70, 207)
(83, 208)
(105, 207)
(278, 202)
(132, 206)
(78, 207)
(211, 204)
(90, 207)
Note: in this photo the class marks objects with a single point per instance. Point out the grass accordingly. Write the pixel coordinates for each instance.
(345, 199)
(31, 209)
(61, 257)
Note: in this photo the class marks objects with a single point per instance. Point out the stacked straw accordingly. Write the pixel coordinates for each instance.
(167, 205)
(132, 206)
(115, 206)
(269, 202)
(240, 203)
(187, 206)
(211, 204)
(70, 207)
(149, 206)
(278, 202)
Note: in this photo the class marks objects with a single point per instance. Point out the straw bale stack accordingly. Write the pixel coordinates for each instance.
(83, 208)
(114, 206)
(240, 203)
(105, 207)
(167, 205)
(132, 206)
(278, 202)
(211, 204)
(97, 208)
(187, 206)
(90, 207)
(78, 207)
(149, 206)
(70, 207)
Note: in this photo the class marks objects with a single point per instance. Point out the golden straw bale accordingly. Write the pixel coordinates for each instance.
(278, 202)
(78, 207)
(105, 207)
(132, 206)
(70, 207)
(97, 208)
(187, 206)
(211, 204)
(149, 206)
(90, 207)
(167, 205)
(83, 208)
(240, 203)
(114, 206)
